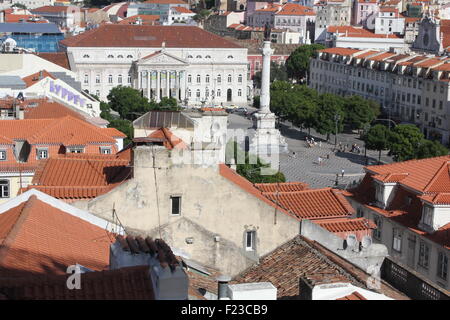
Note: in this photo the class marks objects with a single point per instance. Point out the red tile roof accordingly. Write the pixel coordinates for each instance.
(82, 176)
(47, 109)
(170, 140)
(313, 204)
(42, 239)
(344, 226)
(59, 58)
(145, 19)
(114, 35)
(293, 9)
(182, 10)
(130, 283)
(303, 258)
(281, 187)
(54, 9)
(340, 51)
(353, 296)
(36, 77)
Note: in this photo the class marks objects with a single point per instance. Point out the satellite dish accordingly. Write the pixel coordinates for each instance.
(366, 241)
(351, 240)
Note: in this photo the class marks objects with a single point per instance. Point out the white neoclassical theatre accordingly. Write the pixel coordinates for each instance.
(184, 62)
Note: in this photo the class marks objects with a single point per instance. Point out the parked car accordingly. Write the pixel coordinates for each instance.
(241, 110)
(249, 114)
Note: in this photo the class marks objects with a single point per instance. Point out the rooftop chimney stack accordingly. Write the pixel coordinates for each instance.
(223, 287)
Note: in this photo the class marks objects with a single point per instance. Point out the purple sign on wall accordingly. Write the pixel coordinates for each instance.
(66, 94)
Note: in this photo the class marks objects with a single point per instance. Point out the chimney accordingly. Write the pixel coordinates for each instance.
(222, 281)
(316, 286)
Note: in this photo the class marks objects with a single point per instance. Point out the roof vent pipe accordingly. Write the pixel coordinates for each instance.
(223, 287)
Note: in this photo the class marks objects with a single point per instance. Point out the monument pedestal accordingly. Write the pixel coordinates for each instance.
(267, 140)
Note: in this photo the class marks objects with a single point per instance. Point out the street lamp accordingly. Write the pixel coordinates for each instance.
(336, 119)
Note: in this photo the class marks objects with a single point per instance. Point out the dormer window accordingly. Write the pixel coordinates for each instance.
(427, 216)
(42, 153)
(75, 150)
(105, 150)
(2, 155)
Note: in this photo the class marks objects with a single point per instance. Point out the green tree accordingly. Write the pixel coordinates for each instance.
(359, 111)
(328, 107)
(428, 149)
(249, 166)
(19, 6)
(404, 141)
(167, 104)
(202, 15)
(297, 65)
(125, 126)
(377, 139)
(256, 101)
(128, 102)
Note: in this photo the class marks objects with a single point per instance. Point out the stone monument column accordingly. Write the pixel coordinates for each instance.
(265, 79)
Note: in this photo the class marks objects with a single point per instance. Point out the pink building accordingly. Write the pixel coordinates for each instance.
(364, 12)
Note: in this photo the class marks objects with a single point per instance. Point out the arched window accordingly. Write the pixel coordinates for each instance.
(219, 79)
(189, 93)
(218, 92)
(199, 79)
(120, 56)
(110, 56)
(86, 56)
(110, 78)
(199, 57)
(239, 93)
(129, 56)
(86, 78)
(190, 57)
(229, 78)
(97, 78)
(119, 79)
(230, 57)
(208, 57)
(240, 78)
(4, 188)
(207, 78)
(198, 93)
(189, 78)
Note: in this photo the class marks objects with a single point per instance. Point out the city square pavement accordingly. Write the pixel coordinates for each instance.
(302, 161)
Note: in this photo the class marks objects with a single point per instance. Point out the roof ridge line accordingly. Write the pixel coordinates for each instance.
(436, 175)
(12, 234)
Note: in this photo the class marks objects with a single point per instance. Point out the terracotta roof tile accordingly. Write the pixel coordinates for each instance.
(36, 77)
(313, 204)
(114, 35)
(130, 283)
(170, 140)
(281, 187)
(345, 226)
(59, 58)
(46, 109)
(182, 10)
(53, 9)
(340, 51)
(353, 296)
(294, 9)
(42, 239)
(144, 18)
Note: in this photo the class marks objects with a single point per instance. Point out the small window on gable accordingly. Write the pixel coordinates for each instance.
(42, 153)
(175, 205)
(4, 188)
(105, 150)
(75, 150)
(2, 155)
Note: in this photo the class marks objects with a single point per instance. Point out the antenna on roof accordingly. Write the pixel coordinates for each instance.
(366, 242)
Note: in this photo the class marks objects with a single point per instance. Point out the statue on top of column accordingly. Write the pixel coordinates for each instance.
(267, 32)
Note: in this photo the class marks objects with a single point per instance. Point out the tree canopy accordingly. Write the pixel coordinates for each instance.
(359, 111)
(404, 141)
(297, 65)
(277, 72)
(428, 149)
(377, 138)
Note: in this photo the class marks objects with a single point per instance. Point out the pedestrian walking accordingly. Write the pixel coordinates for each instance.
(342, 172)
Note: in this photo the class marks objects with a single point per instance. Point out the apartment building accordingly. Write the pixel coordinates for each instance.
(411, 87)
(409, 203)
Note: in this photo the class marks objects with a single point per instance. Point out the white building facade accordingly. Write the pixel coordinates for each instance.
(191, 65)
(413, 88)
